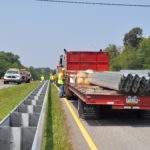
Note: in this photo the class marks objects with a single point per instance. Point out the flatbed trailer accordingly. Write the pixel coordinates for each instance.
(97, 97)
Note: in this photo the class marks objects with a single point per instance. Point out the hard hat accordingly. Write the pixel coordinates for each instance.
(61, 55)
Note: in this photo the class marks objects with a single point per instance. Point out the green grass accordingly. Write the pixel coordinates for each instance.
(56, 131)
(12, 96)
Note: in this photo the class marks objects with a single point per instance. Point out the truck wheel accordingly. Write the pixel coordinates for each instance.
(140, 114)
(81, 108)
(5, 82)
(28, 81)
(98, 111)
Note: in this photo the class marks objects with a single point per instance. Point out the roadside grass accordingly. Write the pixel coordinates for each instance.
(56, 131)
(12, 96)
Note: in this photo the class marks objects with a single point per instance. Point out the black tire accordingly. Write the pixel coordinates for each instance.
(81, 108)
(140, 114)
(5, 82)
(28, 81)
(98, 111)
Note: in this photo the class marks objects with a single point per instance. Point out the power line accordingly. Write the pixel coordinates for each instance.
(96, 3)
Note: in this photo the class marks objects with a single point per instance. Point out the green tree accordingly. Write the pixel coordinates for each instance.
(8, 60)
(143, 54)
(114, 57)
(37, 72)
(115, 64)
(113, 50)
(34, 73)
(133, 37)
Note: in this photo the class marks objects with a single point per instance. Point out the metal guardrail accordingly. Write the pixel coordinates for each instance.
(127, 83)
(22, 129)
(38, 140)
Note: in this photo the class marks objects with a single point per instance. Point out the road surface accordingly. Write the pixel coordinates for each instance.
(2, 85)
(117, 130)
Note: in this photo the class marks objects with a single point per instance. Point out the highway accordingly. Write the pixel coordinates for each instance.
(116, 130)
(2, 85)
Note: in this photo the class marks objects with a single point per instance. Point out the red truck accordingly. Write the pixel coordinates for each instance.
(26, 76)
(93, 99)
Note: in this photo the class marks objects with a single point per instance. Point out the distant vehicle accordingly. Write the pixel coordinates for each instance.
(12, 75)
(26, 76)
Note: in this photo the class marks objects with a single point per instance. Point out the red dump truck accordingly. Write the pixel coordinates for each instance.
(93, 99)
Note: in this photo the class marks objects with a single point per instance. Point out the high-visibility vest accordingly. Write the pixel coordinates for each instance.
(60, 78)
(42, 78)
(52, 77)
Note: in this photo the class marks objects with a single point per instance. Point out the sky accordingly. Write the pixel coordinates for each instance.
(39, 31)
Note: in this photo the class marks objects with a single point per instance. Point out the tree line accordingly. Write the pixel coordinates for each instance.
(10, 60)
(134, 54)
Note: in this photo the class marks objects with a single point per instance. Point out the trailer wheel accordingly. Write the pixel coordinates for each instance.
(140, 114)
(98, 111)
(81, 108)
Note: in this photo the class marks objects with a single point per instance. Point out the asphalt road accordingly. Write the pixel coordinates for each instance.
(116, 130)
(2, 85)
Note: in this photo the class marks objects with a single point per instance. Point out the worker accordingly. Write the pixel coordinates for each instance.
(52, 78)
(61, 82)
(42, 78)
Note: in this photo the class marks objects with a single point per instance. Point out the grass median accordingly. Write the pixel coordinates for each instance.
(56, 131)
(12, 96)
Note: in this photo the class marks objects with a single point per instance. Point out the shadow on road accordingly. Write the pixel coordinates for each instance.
(118, 118)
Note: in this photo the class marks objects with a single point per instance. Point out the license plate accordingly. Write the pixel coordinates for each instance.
(132, 100)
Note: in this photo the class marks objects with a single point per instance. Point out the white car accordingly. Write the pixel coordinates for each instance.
(12, 75)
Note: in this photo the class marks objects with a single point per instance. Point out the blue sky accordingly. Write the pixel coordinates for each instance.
(39, 31)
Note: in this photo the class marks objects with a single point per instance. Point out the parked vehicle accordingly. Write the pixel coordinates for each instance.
(12, 75)
(94, 99)
(26, 76)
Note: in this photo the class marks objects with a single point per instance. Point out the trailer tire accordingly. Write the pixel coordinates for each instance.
(140, 114)
(81, 108)
(98, 111)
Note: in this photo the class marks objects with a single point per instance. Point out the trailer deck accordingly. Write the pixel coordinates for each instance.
(100, 96)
